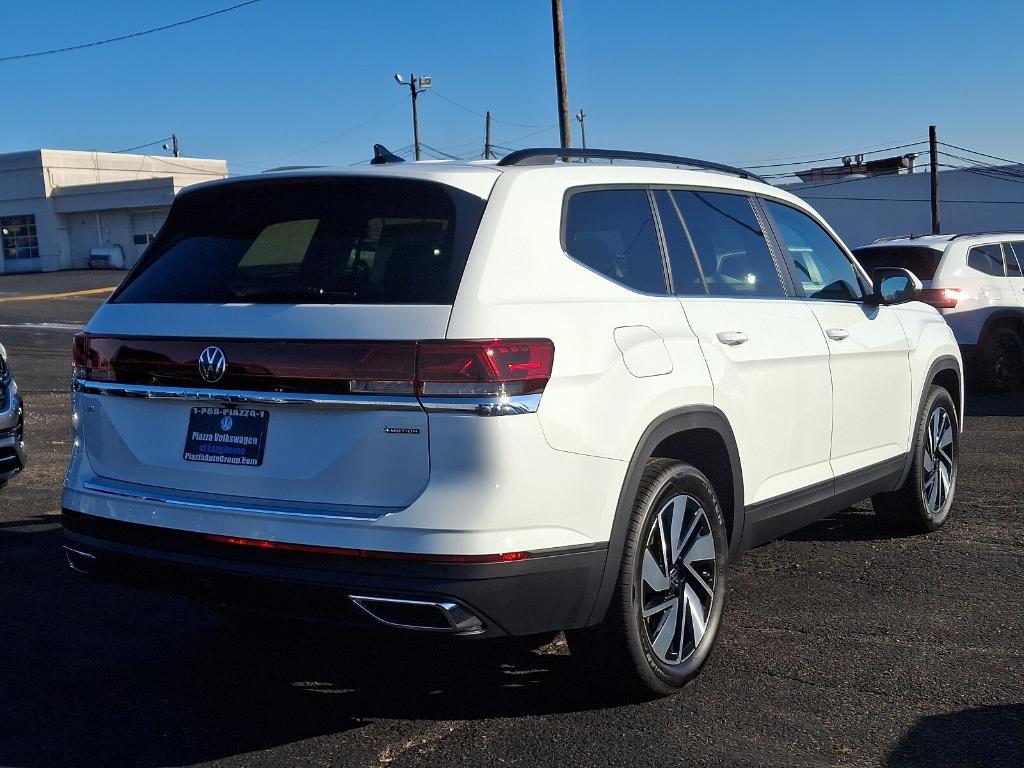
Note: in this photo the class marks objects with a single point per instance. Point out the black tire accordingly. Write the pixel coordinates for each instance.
(620, 651)
(916, 507)
(1000, 360)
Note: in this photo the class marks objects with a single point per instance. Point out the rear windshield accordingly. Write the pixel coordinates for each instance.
(310, 241)
(919, 259)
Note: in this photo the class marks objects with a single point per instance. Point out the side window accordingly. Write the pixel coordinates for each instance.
(612, 231)
(1014, 258)
(686, 277)
(734, 255)
(822, 268)
(987, 259)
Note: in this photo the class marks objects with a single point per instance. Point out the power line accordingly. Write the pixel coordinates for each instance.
(140, 146)
(128, 36)
(865, 149)
(481, 114)
(347, 131)
(837, 157)
(982, 154)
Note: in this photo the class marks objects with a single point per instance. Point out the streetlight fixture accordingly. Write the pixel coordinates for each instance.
(417, 85)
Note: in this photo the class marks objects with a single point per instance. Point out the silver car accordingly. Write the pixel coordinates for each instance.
(12, 424)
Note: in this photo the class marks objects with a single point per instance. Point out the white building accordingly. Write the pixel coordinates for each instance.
(864, 209)
(58, 205)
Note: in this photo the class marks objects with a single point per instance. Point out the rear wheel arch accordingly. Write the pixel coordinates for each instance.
(700, 436)
(945, 372)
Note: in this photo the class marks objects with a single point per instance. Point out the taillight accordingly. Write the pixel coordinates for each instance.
(941, 298)
(490, 368)
(89, 362)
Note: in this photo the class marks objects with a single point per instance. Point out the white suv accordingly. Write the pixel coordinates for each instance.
(499, 399)
(976, 282)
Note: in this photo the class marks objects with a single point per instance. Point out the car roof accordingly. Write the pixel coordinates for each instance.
(478, 176)
(941, 241)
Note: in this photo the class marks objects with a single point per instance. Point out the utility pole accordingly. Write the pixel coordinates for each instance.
(933, 150)
(174, 145)
(416, 87)
(488, 154)
(564, 126)
(581, 116)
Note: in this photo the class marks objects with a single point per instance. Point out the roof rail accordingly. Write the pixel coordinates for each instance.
(989, 232)
(548, 156)
(292, 168)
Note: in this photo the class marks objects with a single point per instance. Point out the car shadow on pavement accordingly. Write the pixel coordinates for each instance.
(852, 524)
(105, 675)
(992, 737)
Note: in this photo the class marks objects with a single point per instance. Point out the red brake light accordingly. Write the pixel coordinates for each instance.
(502, 557)
(490, 368)
(493, 367)
(941, 298)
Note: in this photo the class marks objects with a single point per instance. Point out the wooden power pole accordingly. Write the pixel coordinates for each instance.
(564, 126)
(933, 150)
(488, 154)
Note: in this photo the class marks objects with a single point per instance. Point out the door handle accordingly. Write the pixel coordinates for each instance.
(732, 338)
(837, 334)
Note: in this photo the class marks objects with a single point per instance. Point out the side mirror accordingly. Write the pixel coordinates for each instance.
(893, 285)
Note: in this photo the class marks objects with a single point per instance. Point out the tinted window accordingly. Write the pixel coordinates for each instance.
(321, 240)
(822, 268)
(686, 278)
(1014, 258)
(732, 249)
(612, 231)
(987, 259)
(919, 259)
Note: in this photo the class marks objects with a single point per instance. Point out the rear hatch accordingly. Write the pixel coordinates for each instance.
(264, 347)
(922, 260)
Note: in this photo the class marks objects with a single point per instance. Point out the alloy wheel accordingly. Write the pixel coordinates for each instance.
(677, 581)
(939, 460)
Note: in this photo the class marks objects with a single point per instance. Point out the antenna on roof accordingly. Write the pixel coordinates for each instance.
(382, 156)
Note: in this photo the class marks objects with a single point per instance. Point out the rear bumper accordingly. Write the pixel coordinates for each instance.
(13, 456)
(553, 589)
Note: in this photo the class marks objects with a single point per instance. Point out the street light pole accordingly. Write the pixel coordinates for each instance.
(417, 85)
(581, 116)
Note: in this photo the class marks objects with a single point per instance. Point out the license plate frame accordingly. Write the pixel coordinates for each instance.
(229, 436)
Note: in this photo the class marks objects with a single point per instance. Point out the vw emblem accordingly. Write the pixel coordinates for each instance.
(226, 424)
(212, 364)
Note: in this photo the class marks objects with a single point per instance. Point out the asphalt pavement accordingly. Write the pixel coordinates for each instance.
(841, 644)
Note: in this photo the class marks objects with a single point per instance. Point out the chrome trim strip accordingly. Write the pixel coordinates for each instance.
(483, 406)
(326, 512)
(459, 619)
(477, 406)
(145, 391)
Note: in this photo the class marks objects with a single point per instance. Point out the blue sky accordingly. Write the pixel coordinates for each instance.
(285, 81)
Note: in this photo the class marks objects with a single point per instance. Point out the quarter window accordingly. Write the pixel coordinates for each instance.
(1014, 258)
(734, 255)
(686, 277)
(822, 268)
(987, 259)
(612, 231)
(18, 237)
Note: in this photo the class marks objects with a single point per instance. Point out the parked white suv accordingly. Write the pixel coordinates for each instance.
(975, 281)
(499, 399)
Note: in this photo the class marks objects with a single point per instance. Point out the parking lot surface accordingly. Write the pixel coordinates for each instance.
(841, 644)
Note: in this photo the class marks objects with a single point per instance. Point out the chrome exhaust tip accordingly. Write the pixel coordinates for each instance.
(79, 561)
(423, 615)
